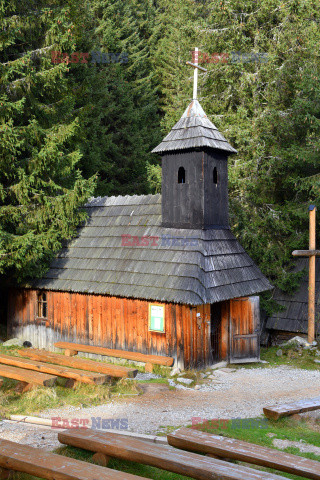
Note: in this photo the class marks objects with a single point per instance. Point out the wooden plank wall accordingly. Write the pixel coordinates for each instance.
(112, 322)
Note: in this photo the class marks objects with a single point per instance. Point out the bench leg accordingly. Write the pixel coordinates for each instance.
(5, 474)
(149, 368)
(101, 459)
(24, 387)
(70, 353)
(70, 383)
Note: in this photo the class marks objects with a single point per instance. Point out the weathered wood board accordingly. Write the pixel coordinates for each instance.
(66, 372)
(27, 376)
(202, 442)
(277, 411)
(79, 363)
(37, 462)
(109, 352)
(165, 457)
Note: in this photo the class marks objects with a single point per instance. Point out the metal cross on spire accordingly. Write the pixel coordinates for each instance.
(196, 67)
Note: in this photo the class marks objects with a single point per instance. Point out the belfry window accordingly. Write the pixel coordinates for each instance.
(215, 176)
(42, 307)
(181, 175)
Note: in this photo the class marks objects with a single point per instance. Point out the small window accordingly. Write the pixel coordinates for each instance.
(42, 305)
(181, 175)
(215, 176)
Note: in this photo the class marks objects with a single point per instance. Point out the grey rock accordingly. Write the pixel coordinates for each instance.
(13, 342)
(279, 353)
(203, 375)
(218, 365)
(317, 361)
(186, 381)
(197, 387)
(297, 341)
(227, 370)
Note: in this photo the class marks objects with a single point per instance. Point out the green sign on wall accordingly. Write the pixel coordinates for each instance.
(156, 318)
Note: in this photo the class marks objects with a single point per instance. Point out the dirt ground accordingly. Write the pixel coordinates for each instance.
(240, 394)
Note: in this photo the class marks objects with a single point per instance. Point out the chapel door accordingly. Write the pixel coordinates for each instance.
(244, 330)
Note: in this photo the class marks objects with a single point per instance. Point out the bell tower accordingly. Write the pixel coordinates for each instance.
(195, 169)
(194, 173)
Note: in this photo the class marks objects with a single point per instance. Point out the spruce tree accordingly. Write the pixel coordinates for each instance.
(41, 187)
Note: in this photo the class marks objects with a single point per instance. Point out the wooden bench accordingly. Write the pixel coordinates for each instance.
(150, 360)
(106, 445)
(202, 442)
(66, 372)
(79, 363)
(286, 409)
(37, 462)
(26, 378)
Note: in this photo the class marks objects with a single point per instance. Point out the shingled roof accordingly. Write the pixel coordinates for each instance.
(294, 317)
(194, 129)
(179, 265)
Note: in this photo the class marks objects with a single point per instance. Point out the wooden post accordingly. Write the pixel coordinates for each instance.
(312, 274)
(312, 253)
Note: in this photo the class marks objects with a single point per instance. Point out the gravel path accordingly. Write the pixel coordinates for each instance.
(239, 394)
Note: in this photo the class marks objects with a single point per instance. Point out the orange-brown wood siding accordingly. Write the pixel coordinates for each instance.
(113, 322)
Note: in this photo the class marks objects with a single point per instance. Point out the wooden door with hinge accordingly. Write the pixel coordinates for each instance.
(244, 330)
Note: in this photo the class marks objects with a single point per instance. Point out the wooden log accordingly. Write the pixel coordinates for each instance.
(277, 411)
(148, 368)
(66, 372)
(101, 459)
(203, 442)
(70, 353)
(5, 474)
(27, 376)
(79, 363)
(50, 466)
(165, 457)
(109, 352)
(24, 387)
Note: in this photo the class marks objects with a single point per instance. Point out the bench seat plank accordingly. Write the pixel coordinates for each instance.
(286, 409)
(79, 363)
(27, 376)
(164, 457)
(109, 352)
(37, 462)
(197, 441)
(66, 372)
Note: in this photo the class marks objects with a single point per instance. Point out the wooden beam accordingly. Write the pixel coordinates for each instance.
(79, 363)
(27, 376)
(109, 352)
(312, 275)
(306, 253)
(50, 466)
(66, 372)
(165, 457)
(203, 442)
(286, 409)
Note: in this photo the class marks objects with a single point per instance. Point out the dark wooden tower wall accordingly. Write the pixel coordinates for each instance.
(195, 189)
(216, 209)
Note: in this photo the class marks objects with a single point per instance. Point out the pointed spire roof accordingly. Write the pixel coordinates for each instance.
(194, 130)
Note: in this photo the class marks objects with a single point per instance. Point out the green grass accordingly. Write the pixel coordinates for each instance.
(291, 355)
